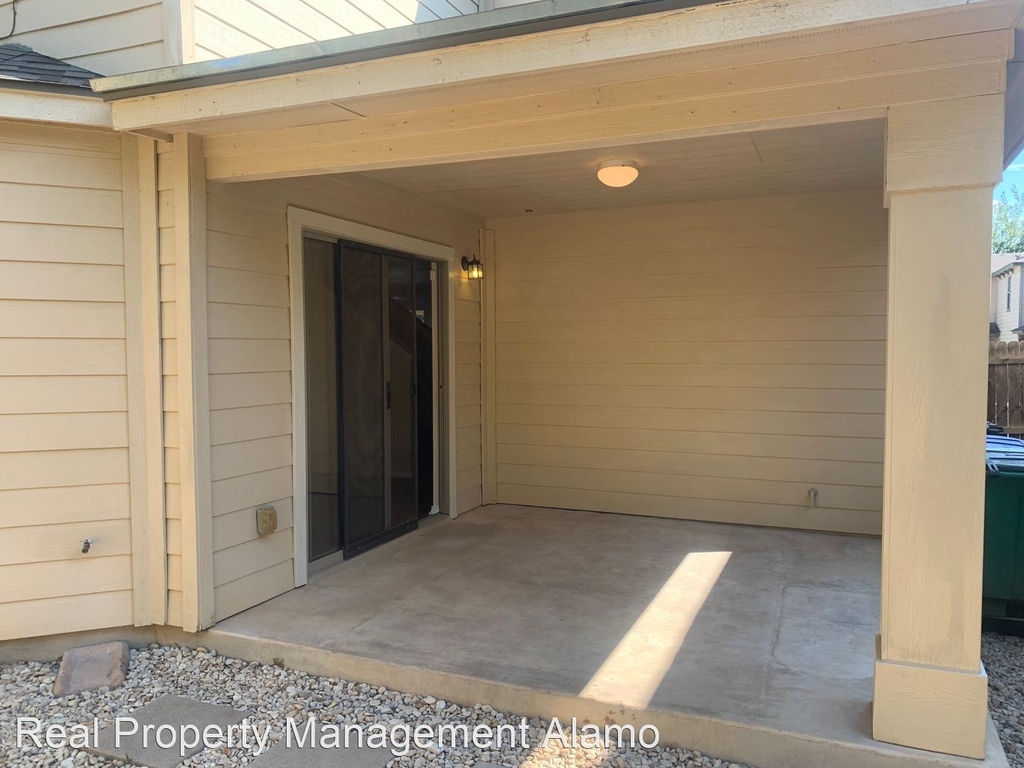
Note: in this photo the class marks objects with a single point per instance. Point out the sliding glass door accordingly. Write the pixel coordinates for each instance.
(363, 395)
(367, 336)
(324, 504)
(402, 395)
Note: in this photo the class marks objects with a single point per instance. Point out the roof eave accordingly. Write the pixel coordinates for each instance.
(53, 103)
(530, 18)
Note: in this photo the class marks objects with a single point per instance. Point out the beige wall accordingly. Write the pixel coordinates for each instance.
(250, 395)
(250, 369)
(110, 37)
(711, 360)
(113, 37)
(63, 385)
(226, 28)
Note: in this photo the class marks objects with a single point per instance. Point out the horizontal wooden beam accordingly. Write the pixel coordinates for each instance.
(42, 106)
(559, 122)
(725, 33)
(611, 94)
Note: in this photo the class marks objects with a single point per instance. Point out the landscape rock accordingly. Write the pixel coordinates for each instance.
(92, 667)
(1004, 663)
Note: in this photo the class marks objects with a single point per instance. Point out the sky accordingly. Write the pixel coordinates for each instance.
(1012, 175)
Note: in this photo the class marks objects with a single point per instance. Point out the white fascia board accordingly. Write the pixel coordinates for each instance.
(54, 107)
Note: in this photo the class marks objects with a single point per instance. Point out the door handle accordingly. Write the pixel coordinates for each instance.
(388, 395)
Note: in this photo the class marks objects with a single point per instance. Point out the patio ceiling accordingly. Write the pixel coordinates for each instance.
(791, 161)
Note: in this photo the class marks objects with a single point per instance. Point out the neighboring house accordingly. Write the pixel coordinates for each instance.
(1007, 314)
(193, 252)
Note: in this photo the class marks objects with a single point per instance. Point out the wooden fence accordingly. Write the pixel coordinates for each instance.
(1006, 386)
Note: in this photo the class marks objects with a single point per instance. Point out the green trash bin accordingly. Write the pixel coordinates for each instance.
(1003, 576)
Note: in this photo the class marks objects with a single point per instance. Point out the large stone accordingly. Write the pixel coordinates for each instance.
(173, 711)
(91, 667)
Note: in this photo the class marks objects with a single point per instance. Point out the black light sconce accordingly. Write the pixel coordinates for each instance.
(473, 268)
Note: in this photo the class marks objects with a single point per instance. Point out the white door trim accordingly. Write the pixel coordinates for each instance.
(300, 223)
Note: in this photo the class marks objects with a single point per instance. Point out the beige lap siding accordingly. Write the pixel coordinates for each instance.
(226, 28)
(106, 36)
(711, 360)
(468, 396)
(250, 367)
(250, 397)
(63, 386)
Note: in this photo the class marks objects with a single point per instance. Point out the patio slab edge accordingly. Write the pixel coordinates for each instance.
(736, 741)
(757, 746)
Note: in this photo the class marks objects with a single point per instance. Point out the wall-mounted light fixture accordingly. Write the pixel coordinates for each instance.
(473, 268)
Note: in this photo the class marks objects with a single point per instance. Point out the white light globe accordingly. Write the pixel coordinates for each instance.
(617, 174)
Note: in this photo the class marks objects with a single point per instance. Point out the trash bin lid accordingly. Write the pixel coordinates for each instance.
(1004, 453)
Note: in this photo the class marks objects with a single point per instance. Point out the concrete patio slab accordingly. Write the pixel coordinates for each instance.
(752, 644)
(173, 711)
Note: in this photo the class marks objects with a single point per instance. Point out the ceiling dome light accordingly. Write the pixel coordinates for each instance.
(617, 174)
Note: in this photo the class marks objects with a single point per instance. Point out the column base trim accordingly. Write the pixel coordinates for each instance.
(941, 710)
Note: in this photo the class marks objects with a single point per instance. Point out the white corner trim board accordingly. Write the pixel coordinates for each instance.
(300, 223)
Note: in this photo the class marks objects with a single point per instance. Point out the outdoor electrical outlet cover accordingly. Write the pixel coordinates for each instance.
(266, 520)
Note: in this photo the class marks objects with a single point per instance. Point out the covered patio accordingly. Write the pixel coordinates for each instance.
(749, 643)
(779, 326)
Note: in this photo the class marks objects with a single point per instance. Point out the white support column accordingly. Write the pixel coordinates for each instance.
(942, 161)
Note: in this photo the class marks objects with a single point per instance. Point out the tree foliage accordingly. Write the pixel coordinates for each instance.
(1008, 222)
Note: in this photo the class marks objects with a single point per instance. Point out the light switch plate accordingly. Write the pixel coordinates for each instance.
(266, 520)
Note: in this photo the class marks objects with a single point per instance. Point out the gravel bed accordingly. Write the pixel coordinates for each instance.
(269, 695)
(1004, 663)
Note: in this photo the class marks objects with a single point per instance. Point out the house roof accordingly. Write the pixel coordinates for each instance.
(21, 64)
(1006, 262)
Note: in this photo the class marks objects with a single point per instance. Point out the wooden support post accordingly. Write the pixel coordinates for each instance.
(145, 412)
(131, 198)
(193, 383)
(942, 162)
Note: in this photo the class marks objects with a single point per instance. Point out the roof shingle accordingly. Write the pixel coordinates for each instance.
(21, 63)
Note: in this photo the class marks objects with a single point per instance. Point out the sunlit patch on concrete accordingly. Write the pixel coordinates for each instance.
(633, 671)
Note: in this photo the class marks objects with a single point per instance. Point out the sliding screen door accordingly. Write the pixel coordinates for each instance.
(319, 287)
(363, 394)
